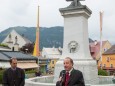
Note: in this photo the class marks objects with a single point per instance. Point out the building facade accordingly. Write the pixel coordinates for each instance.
(24, 61)
(50, 57)
(15, 40)
(108, 60)
(95, 48)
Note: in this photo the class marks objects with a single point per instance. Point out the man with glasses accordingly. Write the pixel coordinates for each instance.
(13, 76)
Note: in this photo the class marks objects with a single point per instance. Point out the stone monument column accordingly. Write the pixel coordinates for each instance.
(76, 42)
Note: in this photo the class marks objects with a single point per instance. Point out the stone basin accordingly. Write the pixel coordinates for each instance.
(48, 81)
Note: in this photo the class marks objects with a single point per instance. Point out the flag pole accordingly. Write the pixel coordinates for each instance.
(101, 24)
(36, 51)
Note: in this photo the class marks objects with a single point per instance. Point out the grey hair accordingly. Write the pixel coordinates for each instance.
(71, 60)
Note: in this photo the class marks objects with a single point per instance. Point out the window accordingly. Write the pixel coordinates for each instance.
(104, 65)
(40, 61)
(105, 49)
(100, 65)
(52, 62)
(44, 56)
(108, 59)
(111, 65)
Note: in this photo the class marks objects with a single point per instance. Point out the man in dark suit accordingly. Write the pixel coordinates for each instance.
(13, 76)
(70, 76)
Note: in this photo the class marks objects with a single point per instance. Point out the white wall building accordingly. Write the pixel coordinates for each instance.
(5, 48)
(51, 53)
(14, 39)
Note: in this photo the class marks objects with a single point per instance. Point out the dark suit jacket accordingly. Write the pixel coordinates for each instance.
(11, 78)
(76, 78)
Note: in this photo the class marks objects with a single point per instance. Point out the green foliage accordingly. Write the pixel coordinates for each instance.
(29, 48)
(1, 78)
(49, 37)
(30, 71)
(1, 75)
(4, 45)
(102, 72)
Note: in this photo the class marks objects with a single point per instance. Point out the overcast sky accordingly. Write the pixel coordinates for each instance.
(24, 13)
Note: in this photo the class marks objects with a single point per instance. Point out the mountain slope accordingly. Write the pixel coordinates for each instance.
(49, 37)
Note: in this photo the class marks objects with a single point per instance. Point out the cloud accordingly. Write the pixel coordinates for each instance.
(108, 19)
(17, 13)
(24, 13)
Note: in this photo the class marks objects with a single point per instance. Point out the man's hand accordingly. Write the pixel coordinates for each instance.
(60, 78)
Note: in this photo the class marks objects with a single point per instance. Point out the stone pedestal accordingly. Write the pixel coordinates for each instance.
(76, 43)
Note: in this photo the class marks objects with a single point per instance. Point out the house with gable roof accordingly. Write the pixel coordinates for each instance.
(15, 40)
(49, 57)
(108, 60)
(95, 48)
(25, 61)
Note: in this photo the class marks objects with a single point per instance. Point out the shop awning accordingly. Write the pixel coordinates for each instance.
(4, 65)
(27, 65)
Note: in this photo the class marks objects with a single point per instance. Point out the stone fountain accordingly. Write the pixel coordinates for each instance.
(76, 46)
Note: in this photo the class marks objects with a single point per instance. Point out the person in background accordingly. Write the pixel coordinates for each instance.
(113, 79)
(13, 76)
(38, 73)
(70, 76)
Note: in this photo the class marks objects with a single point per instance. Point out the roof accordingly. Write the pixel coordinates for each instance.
(25, 61)
(6, 55)
(52, 51)
(97, 44)
(15, 33)
(26, 40)
(3, 57)
(95, 48)
(111, 50)
(54, 56)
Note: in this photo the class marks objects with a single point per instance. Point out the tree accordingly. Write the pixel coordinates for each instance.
(102, 72)
(28, 48)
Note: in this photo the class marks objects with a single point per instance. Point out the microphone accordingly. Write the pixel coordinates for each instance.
(63, 74)
(62, 79)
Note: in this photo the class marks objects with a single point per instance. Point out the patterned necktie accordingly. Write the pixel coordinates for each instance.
(67, 78)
